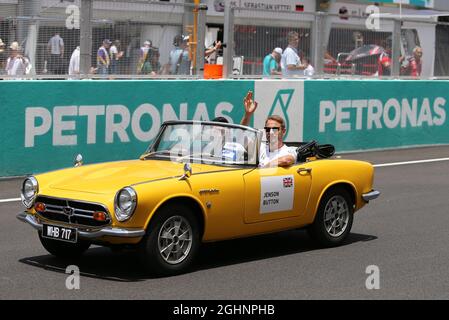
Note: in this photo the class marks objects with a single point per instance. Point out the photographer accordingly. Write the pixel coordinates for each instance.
(213, 49)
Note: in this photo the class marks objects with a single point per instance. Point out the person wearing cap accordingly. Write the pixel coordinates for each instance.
(103, 60)
(16, 64)
(115, 57)
(152, 66)
(271, 63)
(179, 60)
(143, 53)
(55, 47)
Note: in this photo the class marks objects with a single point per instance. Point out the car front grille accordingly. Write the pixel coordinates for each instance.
(72, 211)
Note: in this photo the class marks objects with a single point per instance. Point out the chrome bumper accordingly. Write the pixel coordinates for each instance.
(106, 231)
(371, 195)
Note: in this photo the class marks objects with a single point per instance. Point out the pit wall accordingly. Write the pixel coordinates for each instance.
(44, 124)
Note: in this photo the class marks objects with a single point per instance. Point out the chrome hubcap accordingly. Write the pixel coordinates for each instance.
(336, 216)
(175, 240)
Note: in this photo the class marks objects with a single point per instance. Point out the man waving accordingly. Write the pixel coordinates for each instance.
(273, 152)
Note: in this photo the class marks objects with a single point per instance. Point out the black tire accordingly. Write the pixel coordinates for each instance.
(180, 256)
(63, 249)
(335, 198)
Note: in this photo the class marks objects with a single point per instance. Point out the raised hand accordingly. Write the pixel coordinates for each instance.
(249, 103)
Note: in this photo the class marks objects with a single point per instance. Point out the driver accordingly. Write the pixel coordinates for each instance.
(274, 152)
(232, 151)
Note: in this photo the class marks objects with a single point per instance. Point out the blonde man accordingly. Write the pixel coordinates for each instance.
(274, 152)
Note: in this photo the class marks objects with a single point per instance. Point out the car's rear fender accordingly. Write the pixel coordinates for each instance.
(347, 185)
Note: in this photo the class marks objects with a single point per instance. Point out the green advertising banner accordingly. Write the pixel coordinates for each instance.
(360, 115)
(46, 123)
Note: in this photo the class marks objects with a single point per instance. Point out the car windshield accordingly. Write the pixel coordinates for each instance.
(205, 142)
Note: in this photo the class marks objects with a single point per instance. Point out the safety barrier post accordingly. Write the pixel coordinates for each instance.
(396, 48)
(228, 38)
(317, 43)
(201, 37)
(86, 37)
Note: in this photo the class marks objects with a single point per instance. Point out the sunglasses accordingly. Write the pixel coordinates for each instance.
(268, 129)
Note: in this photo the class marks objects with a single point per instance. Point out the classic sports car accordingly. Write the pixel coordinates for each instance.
(198, 182)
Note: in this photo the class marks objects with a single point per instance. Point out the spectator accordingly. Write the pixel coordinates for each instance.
(3, 56)
(103, 60)
(55, 49)
(147, 45)
(309, 71)
(16, 65)
(271, 63)
(290, 62)
(115, 57)
(414, 68)
(152, 65)
(74, 65)
(384, 64)
(211, 50)
(179, 56)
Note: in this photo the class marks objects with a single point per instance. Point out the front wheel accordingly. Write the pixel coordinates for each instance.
(333, 221)
(172, 241)
(63, 249)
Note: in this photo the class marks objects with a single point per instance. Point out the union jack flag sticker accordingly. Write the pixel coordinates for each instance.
(288, 182)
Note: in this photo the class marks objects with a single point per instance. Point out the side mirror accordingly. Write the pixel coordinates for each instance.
(78, 161)
(187, 172)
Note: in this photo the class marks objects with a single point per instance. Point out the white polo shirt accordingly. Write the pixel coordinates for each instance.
(290, 57)
(265, 156)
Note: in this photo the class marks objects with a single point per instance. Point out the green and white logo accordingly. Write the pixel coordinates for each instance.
(285, 99)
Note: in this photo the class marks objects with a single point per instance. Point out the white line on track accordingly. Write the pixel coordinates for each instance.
(9, 200)
(409, 162)
(393, 164)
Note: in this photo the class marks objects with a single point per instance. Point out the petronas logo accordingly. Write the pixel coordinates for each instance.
(281, 104)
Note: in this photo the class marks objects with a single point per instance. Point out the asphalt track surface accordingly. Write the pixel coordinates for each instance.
(404, 233)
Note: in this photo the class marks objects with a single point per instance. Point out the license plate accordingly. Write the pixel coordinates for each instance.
(59, 233)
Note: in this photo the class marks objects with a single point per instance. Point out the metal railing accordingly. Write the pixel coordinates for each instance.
(89, 39)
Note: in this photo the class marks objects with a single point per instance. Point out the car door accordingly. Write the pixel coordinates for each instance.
(276, 193)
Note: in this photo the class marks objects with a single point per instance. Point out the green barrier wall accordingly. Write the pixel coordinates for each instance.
(46, 123)
(359, 115)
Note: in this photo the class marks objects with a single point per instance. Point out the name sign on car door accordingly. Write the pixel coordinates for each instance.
(276, 193)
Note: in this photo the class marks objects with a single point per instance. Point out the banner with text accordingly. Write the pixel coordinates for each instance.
(46, 123)
(360, 115)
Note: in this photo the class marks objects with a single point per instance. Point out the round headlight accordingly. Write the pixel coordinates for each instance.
(125, 203)
(29, 191)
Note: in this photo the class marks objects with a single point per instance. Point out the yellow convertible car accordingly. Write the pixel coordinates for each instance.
(198, 182)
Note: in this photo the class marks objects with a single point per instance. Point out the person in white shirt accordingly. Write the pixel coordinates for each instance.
(274, 152)
(290, 61)
(74, 65)
(310, 70)
(116, 55)
(55, 49)
(16, 65)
